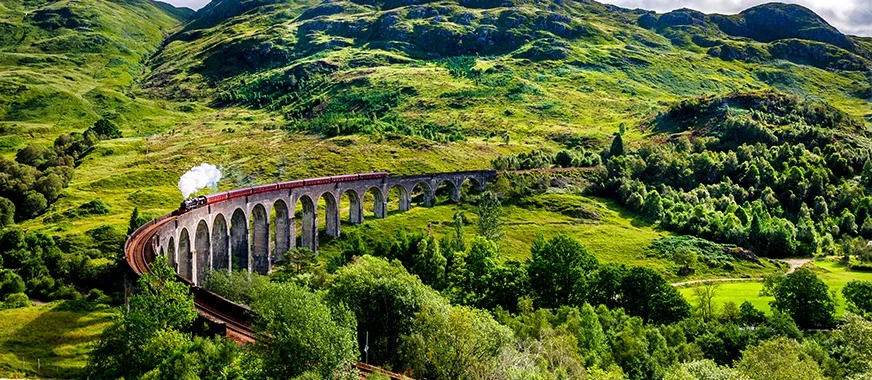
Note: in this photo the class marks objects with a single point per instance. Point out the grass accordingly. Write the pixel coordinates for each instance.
(46, 341)
(835, 275)
(538, 103)
(619, 236)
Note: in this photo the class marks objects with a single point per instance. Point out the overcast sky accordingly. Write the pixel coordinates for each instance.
(849, 16)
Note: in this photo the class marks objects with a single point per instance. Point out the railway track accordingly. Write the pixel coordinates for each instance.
(228, 317)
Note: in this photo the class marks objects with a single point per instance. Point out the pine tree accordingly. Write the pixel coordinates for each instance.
(133, 224)
(617, 148)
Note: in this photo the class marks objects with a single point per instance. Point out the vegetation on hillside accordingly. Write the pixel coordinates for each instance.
(694, 146)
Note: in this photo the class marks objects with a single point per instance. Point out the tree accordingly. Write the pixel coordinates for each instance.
(750, 315)
(564, 158)
(459, 238)
(859, 296)
(7, 212)
(383, 298)
(136, 220)
(807, 237)
(106, 129)
(617, 148)
(605, 285)
(704, 295)
(723, 343)
(847, 223)
(853, 339)
(653, 205)
(298, 332)
(777, 359)
(641, 350)
(490, 217)
(49, 186)
(645, 293)
(10, 283)
(866, 174)
(454, 343)
(635, 201)
(559, 271)
(149, 329)
(237, 286)
(687, 258)
(34, 204)
(428, 262)
(805, 298)
(703, 370)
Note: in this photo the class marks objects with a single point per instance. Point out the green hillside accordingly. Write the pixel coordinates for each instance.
(443, 70)
(690, 146)
(66, 64)
(274, 90)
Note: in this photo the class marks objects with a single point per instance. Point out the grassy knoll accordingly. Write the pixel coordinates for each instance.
(835, 275)
(59, 339)
(618, 236)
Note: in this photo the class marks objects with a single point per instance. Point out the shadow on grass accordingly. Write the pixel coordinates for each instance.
(55, 344)
(634, 218)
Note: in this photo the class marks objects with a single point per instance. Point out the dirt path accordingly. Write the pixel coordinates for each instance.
(794, 265)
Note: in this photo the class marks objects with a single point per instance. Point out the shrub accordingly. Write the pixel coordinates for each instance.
(16, 300)
(106, 129)
(10, 283)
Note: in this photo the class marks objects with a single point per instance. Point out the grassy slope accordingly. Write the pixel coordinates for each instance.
(618, 237)
(59, 340)
(65, 64)
(620, 75)
(835, 275)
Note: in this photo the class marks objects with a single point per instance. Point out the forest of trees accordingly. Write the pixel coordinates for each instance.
(781, 185)
(450, 308)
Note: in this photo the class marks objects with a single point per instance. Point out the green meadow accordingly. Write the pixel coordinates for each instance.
(834, 274)
(48, 341)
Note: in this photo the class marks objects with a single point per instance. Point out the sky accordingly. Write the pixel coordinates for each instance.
(849, 16)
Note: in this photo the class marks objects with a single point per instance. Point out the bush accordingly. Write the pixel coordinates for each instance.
(65, 292)
(859, 296)
(106, 129)
(10, 283)
(16, 300)
(97, 296)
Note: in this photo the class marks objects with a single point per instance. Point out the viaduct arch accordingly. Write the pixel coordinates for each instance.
(252, 232)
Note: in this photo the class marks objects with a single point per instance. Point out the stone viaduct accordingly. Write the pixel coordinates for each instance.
(254, 231)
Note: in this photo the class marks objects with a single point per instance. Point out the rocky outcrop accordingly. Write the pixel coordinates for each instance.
(775, 21)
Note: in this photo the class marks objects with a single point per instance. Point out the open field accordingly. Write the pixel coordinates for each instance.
(48, 341)
(835, 275)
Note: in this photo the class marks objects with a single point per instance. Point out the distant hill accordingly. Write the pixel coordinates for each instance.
(408, 66)
(65, 64)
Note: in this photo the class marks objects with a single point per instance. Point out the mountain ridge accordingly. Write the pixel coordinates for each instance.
(293, 58)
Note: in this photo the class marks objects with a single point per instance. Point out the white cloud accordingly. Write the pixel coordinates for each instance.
(849, 16)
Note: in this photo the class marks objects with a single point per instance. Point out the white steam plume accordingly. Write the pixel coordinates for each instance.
(198, 178)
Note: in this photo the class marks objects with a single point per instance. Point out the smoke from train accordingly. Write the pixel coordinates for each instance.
(199, 178)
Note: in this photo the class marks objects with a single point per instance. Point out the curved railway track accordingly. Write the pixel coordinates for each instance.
(226, 316)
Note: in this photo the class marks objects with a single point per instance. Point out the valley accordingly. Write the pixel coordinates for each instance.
(635, 150)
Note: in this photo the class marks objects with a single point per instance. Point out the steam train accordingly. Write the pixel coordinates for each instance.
(201, 201)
